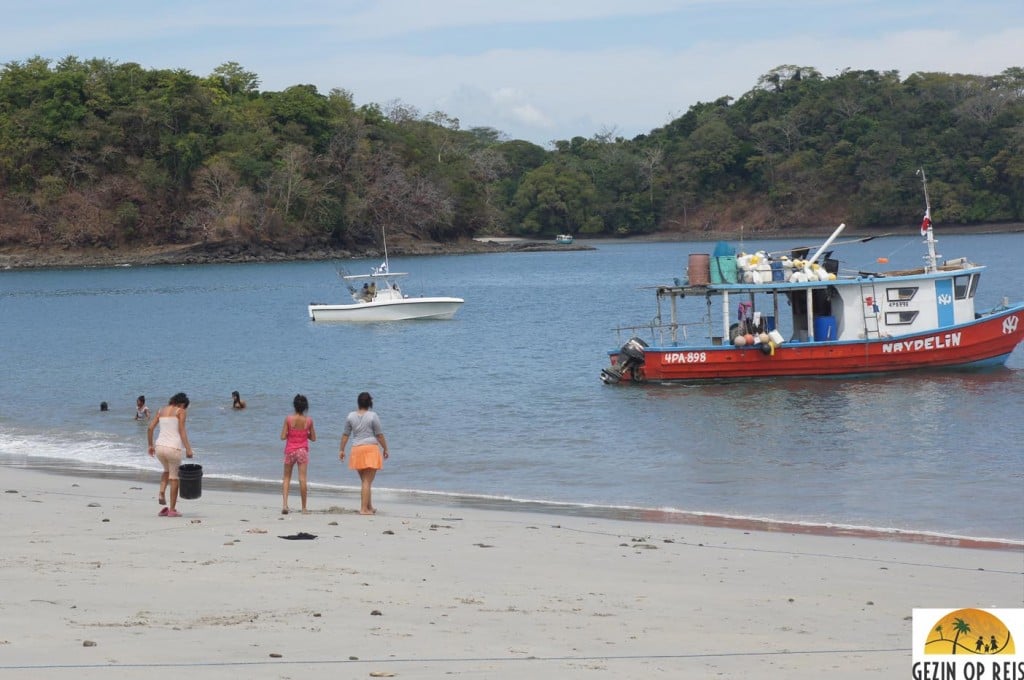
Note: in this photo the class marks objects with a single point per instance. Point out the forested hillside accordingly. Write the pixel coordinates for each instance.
(103, 154)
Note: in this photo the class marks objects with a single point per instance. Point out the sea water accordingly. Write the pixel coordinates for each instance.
(503, 404)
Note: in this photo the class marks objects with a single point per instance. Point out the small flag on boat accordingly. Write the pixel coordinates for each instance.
(926, 223)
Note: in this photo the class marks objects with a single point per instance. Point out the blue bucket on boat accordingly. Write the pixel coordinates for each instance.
(825, 328)
(778, 274)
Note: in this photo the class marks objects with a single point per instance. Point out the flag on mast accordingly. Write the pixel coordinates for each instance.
(926, 223)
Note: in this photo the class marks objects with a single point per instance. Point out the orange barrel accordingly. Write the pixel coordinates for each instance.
(699, 269)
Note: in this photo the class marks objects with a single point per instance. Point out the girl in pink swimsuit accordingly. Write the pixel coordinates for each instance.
(297, 432)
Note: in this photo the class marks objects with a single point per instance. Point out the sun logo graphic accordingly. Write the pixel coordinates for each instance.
(967, 644)
(969, 631)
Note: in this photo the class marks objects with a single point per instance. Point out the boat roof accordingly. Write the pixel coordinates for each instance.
(387, 275)
(862, 278)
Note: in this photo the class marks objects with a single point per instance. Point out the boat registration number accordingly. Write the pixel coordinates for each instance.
(685, 357)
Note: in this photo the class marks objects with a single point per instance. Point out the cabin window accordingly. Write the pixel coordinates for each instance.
(900, 318)
(900, 294)
(974, 285)
(961, 286)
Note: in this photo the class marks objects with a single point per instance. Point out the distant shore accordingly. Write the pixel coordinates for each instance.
(213, 252)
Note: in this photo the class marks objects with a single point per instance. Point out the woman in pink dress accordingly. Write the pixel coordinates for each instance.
(297, 432)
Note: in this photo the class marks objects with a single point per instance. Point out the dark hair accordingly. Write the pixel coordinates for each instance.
(179, 399)
(364, 400)
(142, 398)
(236, 395)
(300, 403)
(103, 406)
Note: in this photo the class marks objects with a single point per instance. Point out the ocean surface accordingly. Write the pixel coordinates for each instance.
(503, 404)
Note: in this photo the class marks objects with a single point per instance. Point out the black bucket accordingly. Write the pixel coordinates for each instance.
(191, 476)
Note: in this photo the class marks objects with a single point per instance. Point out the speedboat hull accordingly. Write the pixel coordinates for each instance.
(389, 310)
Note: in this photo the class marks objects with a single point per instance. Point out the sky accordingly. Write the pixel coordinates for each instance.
(539, 70)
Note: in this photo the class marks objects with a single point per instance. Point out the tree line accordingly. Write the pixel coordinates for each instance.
(95, 153)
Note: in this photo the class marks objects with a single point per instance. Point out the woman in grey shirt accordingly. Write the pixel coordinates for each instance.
(369, 448)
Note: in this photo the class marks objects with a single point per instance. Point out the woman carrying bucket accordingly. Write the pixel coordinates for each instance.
(169, 444)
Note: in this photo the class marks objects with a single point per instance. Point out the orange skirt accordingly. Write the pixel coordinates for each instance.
(366, 456)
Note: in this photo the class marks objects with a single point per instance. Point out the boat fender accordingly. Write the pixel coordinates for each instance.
(767, 348)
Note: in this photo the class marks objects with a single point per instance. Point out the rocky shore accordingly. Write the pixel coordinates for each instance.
(208, 252)
(225, 252)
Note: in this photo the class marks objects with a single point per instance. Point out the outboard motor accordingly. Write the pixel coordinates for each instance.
(631, 356)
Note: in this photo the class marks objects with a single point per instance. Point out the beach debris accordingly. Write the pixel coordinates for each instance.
(452, 519)
(376, 612)
(275, 655)
(135, 488)
(435, 527)
(388, 532)
(301, 536)
(105, 519)
(483, 545)
(353, 658)
(11, 491)
(88, 643)
(317, 615)
(381, 674)
(332, 524)
(94, 505)
(255, 530)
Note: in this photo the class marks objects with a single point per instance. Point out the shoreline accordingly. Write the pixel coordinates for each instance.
(554, 509)
(212, 252)
(97, 585)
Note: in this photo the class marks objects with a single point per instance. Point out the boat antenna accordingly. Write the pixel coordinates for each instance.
(384, 267)
(931, 259)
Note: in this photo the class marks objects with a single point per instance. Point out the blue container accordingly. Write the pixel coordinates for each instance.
(724, 249)
(769, 323)
(825, 328)
(777, 272)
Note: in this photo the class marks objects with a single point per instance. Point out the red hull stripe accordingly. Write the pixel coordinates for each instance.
(988, 341)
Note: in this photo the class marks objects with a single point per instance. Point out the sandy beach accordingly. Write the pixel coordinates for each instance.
(95, 585)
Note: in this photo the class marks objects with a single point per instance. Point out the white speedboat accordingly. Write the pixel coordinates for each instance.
(381, 299)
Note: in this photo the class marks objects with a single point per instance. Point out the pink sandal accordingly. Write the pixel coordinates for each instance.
(163, 512)
(173, 513)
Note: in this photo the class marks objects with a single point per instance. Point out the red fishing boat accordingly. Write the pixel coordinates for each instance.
(770, 316)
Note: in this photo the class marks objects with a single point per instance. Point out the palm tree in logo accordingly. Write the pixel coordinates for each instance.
(938, 629)
(960, 626)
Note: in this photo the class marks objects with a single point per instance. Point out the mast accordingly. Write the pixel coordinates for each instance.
(931, 259)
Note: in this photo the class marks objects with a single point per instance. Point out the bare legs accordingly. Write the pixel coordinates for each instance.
(287, 482)
(165, 481)
(302, 485)
(173, 483)
(366, 476)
